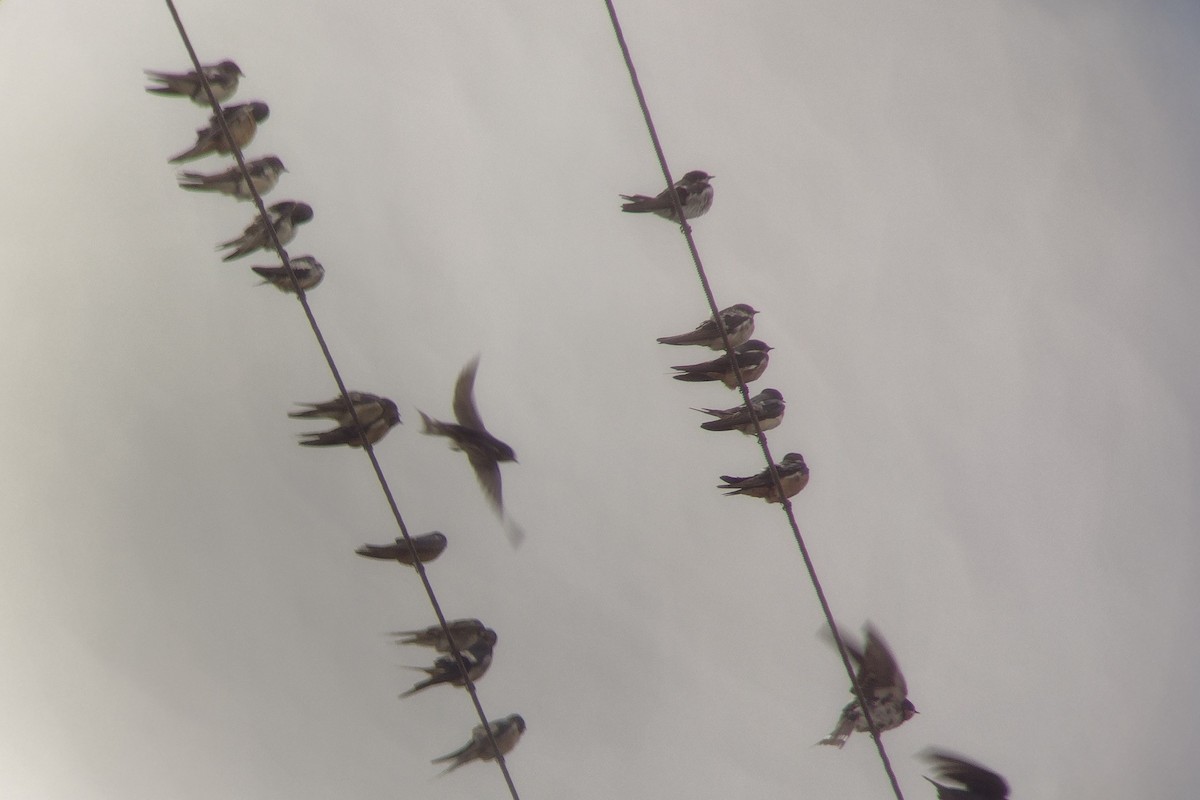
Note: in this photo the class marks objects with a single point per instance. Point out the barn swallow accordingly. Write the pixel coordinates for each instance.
(285, 217)
(506, 732)
(222, 79)
(752, 358)
(369, 408)
(477, 658)
(883, 688)
(768, 406)
(428, 546)
(243, 120)
(739, 324)
(309, 273)
(695, 197)
(465, 633)
(793, 476)
(378, 416)
(264, 174)
(979, 782)
(484, 451)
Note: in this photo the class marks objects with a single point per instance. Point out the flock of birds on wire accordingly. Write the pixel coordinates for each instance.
(467, 644)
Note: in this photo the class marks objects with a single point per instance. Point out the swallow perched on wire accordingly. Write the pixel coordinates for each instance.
(264, 174)
(793, 476)
(285, 217)
(309, 273)
(464, 632)
(883, 688)
(222, 79)
(369, 407)
(739, 324)
(979, 783)
(477, 658)
(507, 732)
(243, 120)
(695, 197)
(378, 415)
(428, 546)
(768, 406)
(751, 357)
(484, 451)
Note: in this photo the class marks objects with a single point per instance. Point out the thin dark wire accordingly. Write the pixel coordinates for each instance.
(745, 390)
(337, 377)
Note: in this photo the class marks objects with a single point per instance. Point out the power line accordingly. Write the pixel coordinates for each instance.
(337, 377)
(762, 439)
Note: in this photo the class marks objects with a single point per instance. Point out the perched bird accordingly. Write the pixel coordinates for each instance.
(883, 689)
(464, 632)
(378, 415)
(695, 196)
(222, 79)
(793, 476)
(739, 324)
(768, 406)
(506, 732)
(369, 408)
(979, 782)
(484, 451)
(243, 120)
(285, 217)
(264, 174)
(309, 273)
(477, 658)
(751, 358)
(428, 546)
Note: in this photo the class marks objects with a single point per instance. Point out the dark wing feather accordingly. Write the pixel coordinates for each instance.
(879, 669)
(464, 400)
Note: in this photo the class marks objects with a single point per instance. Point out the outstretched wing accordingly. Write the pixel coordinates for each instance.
(464, 399)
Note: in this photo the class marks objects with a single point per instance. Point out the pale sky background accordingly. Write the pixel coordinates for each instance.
(970, 227)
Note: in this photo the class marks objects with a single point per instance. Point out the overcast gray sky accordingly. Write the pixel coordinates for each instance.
(971, 230)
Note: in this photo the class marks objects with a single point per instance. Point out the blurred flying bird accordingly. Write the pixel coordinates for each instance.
(768, 406)
(739, 324)
(695, 197)
(243, 121)
(979, 783)
(477, 658)
(883, 688)
(428, 546)
(309, 273)
(506, 732)
(264, 174)
(484, 451)
(793, 476)
(285, 217)
(222, 79)
(752, 357)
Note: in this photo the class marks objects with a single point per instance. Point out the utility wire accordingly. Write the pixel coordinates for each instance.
(219, 117)
(762, 439)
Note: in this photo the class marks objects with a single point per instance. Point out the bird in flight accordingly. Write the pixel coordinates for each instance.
(484, 451)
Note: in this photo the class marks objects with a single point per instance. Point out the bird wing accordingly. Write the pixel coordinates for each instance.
(488, 473)
(716, 365)
(879, 669)
(978, 779)
(464, 401)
